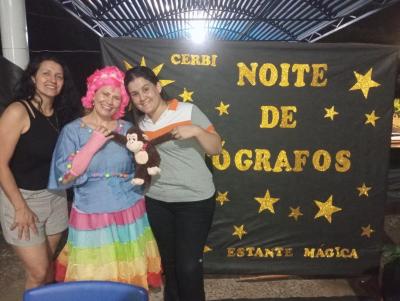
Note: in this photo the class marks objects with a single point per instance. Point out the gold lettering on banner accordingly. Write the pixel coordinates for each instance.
(249, 74)
(274, 252)
(297, 75)
(243, 164)
(282, 252)
(283, 161)
(194, 59)
(268, 75)
(300, 159)
(321, 160)
(343, 163)
(334, 252)
(318, 79)
(222, 161)
(270, 117)
(262, 160)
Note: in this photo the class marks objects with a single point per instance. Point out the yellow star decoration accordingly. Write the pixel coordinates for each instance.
(330, 113)
(371, 118)
(295, 213)
(363, 190)
(207, 249)
(267, 202)
(367, 231)
(186, 95)
(326, 209)
(364, 82)
(222, 197)
(239, 231)
(156, 70)
(222, 108)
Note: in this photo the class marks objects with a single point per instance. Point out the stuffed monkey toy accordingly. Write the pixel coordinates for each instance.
(145, 154)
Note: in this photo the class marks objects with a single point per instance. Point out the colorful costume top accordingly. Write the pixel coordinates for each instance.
(107, 177)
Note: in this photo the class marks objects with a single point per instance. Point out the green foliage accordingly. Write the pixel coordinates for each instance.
(397, 107)
(391, 252)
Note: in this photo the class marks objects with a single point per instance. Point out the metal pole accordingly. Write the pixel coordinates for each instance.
(14, 32)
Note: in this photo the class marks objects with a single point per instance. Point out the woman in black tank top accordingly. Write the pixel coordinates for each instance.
(44, 101)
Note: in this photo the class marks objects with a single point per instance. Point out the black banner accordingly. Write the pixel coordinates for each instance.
(306, 127)
(9, 74)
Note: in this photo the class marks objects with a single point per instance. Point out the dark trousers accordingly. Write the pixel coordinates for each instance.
(181, 232)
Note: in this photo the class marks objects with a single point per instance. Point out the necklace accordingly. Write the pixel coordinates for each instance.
(54, 126)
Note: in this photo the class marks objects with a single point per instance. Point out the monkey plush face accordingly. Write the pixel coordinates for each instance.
(137, 147)
(132, 143)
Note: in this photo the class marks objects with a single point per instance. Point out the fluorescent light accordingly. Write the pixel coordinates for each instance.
(198, 28)
(198, 34)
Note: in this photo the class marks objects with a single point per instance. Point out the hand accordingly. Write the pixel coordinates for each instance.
(25, 221)
(104, 131)
(185, 131)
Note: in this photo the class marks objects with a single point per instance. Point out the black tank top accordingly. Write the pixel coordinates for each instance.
(30, 163)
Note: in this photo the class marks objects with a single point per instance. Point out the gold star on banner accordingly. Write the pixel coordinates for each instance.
(207, 249)
(367, 231)
(330, 113)
(239, 231)
(156, 70)
(363, 190)
(364, 83)
(295, 213)
(267, 202)
(186, 95)
(222, 197)
(326, 209)
(371, 118)
(222, 108)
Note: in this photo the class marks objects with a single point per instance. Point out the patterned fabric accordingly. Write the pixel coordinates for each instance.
(105, 186)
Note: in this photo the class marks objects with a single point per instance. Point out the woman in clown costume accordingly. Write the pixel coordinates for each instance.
(109, 235)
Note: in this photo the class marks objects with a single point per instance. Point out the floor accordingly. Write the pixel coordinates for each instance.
(233, 287)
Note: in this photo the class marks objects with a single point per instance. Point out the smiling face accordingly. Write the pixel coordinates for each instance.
(145, 96)
(49, 79)
(107, 100)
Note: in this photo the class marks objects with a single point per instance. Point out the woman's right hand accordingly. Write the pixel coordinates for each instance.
(25, 221)
(105, 131)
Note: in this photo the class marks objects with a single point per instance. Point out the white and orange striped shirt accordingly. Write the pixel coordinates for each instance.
(184, 175)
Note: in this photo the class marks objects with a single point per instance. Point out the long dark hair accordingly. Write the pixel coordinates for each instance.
(146, 73)
(66, 104)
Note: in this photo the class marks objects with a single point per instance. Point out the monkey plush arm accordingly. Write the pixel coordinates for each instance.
(121, 139)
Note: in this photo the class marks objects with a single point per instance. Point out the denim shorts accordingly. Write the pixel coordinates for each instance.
(50, 208)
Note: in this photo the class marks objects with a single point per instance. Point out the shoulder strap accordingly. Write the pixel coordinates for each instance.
(28, 107)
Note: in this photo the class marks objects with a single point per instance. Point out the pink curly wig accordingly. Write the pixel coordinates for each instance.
(108, 76)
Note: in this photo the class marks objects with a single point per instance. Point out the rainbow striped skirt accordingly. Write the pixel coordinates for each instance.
(117, 246)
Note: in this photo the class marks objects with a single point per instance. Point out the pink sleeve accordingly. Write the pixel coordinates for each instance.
(82, 158)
